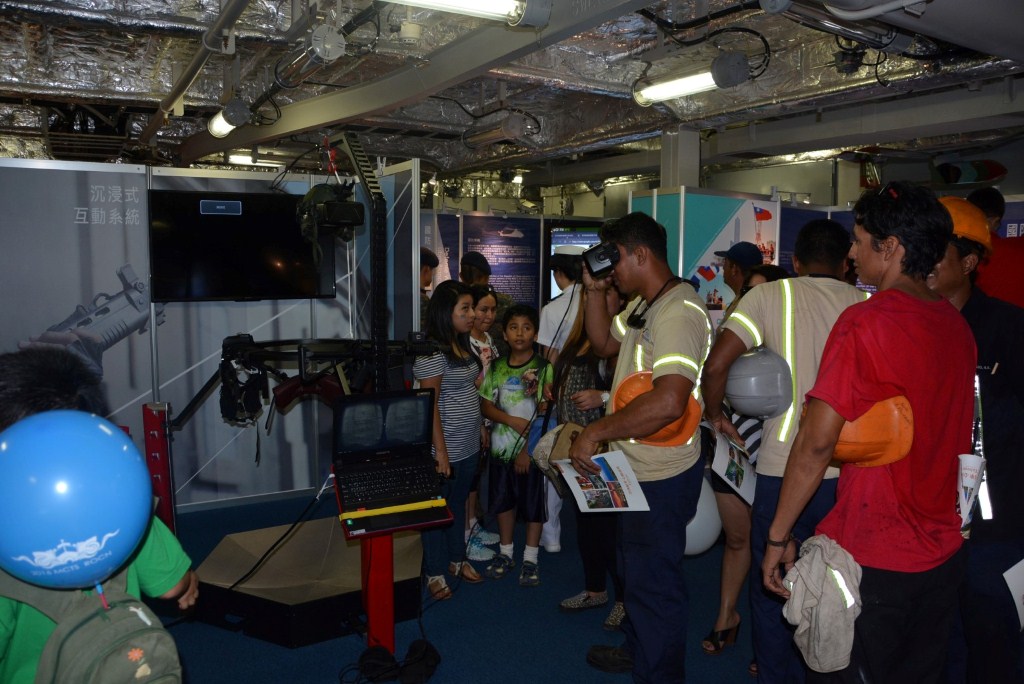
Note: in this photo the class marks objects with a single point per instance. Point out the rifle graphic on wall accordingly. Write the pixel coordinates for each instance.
(108, 319)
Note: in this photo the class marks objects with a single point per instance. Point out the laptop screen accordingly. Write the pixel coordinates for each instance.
(381, 426)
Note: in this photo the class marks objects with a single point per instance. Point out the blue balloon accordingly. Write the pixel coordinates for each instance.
(75, 499)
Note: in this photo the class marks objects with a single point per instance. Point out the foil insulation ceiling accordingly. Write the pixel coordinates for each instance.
(85, 79)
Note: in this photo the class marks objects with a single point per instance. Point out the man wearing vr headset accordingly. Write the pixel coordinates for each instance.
(664, 330)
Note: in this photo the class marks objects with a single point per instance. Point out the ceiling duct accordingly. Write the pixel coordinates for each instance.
(514, 127)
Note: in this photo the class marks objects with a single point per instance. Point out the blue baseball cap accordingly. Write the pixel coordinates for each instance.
(744, 254)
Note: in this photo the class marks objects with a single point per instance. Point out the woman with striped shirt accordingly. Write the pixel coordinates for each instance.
(451, 372)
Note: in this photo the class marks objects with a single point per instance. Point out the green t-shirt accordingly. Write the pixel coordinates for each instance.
(157, 566)
(518, 391)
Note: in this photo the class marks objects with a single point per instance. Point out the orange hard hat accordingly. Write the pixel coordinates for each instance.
(678, 432)
(968, 221)
(881, 436)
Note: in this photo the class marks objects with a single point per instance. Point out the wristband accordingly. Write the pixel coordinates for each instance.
(781, 544)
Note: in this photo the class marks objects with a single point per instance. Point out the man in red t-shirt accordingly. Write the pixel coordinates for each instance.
(898, 521)
(1001, 275)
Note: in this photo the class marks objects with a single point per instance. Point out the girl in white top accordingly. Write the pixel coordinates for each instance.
(485, 306)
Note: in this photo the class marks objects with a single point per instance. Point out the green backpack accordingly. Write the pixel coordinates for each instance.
(92, 644)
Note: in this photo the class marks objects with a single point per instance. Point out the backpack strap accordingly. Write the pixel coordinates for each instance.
(53, 603)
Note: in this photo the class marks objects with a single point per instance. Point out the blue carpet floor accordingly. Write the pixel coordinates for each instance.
(496, 632)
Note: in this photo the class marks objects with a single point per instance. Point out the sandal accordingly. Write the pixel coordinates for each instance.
(715, 642)
(438, 588)
(465, 572)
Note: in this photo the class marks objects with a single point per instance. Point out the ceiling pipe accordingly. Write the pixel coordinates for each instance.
(469, 56)
(872, 34)
(228, 16)
(873, 10)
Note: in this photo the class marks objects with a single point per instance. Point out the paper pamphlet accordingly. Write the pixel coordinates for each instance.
(732, 463)
(615, 488)
(1015, 580)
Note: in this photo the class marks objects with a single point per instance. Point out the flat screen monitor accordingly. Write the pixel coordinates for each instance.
(209, 246)
(371, 427)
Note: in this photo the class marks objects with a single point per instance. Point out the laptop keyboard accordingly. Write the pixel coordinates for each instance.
(413, 481)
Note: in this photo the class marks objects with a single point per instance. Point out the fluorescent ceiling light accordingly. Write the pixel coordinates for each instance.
(246, 160)
(515, 12)
(234, 114)
(680, 86)
(485, 9)
(727, 70)
(218, 127)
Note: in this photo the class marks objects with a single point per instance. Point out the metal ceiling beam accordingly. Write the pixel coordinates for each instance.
(645, 161)
(464, 58)
(874, 123)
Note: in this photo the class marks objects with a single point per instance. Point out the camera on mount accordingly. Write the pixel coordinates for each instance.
(327, 209)
(601, 259)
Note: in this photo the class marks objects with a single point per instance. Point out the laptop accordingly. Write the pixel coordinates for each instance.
(384, 474)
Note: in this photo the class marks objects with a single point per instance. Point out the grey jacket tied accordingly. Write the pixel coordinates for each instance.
(824, 602)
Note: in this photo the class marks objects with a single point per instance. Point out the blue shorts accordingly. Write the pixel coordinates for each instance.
(522, 493)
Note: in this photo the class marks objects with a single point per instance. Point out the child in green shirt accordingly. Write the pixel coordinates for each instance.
(512, 396)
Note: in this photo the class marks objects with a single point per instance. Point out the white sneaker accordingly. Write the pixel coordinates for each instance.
(478, 552)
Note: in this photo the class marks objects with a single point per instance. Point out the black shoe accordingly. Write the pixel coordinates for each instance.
(610, 659)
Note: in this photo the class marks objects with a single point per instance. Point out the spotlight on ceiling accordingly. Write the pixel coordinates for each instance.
(533, 13)
(513, 127)
(234, 114)
(727, 70)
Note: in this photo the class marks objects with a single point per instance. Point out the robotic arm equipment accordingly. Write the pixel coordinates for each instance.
(324, 366)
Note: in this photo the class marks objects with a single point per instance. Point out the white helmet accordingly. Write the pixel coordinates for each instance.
(760, 384)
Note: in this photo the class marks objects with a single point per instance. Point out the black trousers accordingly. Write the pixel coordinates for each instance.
(596, 537)
(902, 633)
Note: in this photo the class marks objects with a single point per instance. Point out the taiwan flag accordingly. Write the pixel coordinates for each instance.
(761, 214)
(707, 273)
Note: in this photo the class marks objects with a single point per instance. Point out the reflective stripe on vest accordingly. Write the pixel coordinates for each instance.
(788, 355)
(680, 359)
(750, 326)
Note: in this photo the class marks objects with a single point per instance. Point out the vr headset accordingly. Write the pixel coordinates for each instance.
(601, 259)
